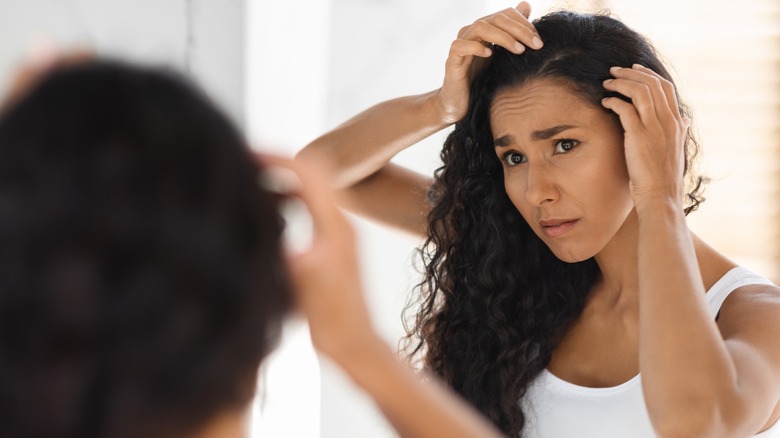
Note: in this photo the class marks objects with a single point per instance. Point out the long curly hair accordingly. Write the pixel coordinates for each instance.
(141, 271)
(495, 302)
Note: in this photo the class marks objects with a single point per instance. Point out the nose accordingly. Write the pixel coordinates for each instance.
(540, 186)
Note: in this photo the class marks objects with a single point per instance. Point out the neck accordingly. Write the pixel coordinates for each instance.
(617, 289)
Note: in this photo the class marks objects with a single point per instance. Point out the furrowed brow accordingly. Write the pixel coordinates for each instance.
(548, 133)
(503, 141)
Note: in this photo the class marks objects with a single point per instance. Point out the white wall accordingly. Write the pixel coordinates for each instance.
(380, 50)
(204, 37)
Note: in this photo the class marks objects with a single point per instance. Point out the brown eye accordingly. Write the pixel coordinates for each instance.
(513, 159)
(565, 145)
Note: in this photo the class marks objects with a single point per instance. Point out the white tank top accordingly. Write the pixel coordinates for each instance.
(556, 408)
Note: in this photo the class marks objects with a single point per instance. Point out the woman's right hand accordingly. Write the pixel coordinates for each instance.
(509, 29)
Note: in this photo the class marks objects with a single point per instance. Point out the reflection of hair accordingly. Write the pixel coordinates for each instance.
(495, 301)
(141, 279)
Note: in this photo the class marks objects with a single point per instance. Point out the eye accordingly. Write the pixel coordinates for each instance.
(512, 159)
(565, 145)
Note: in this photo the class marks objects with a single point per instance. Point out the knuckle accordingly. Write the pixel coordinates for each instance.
(481, 24)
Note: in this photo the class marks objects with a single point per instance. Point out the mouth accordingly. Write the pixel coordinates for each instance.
(557, 227)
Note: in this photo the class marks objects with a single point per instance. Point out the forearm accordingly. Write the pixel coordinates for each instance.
(687, 373)
(415, 408)
(364, 144)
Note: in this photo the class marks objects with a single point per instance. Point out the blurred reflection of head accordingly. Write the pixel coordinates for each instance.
(141, 277)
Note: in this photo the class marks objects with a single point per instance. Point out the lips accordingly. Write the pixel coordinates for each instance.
(557, 227)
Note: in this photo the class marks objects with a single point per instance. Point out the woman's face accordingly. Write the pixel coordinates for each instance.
(564, 166)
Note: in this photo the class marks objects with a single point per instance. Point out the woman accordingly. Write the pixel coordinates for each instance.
(143, 278)
(559, 266)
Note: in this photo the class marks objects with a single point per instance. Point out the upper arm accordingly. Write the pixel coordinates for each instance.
(394, 196)
(749, 322)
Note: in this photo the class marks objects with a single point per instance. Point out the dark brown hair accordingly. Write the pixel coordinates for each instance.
(495, 301)
(141, 277)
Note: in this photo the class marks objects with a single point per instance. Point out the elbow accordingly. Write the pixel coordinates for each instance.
(318, 151)
(306, 154)
(329, 164)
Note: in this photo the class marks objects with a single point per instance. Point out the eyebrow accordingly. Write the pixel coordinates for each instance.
(544, 134)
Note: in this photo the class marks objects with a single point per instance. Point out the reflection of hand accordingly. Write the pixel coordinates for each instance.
(509, 29)
(37, 65)
(327, 290)
(655, 133)
(325, 277)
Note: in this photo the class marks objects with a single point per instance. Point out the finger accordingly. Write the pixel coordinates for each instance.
(40, 61)
(517, 15)
(75, 57)
(43, 58)
(315, 193)
(665, 112)
(627, 113)
(514, 23)
(22, 81)
(668, 88)
(488, 33)
(645, 91)
(460, 50)
(524, 8)
(641, 98)
(522, 13)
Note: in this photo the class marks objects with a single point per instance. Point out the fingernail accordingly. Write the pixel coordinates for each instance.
(638, 66)
(537, 43)
(519, 48)
(615, 68)
(607, 81)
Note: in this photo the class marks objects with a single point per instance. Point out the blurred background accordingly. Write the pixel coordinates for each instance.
(288, 71)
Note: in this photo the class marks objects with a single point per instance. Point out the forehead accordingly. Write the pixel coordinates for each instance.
(539, 105)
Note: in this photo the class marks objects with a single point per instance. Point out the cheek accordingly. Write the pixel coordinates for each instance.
(515, 190)
(615, 175)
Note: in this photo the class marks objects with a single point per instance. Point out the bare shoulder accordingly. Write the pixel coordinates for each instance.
(749, 322)
(751, 308)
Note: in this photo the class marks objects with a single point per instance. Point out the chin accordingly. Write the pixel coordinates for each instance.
(568, 255)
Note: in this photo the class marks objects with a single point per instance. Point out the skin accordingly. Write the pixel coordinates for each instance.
(577, 173)
(700, 377)
(328, 292)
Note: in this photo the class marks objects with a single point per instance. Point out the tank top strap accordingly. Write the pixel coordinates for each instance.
(735, 278)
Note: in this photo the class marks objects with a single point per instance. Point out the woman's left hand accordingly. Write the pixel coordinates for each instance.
(655, 133)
